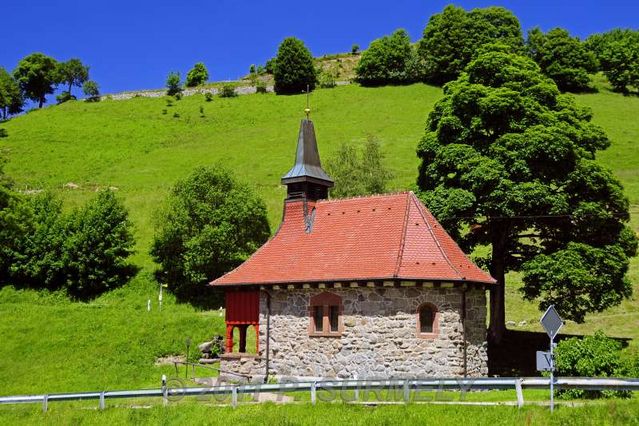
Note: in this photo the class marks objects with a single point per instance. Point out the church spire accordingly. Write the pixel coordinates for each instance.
(307, 179)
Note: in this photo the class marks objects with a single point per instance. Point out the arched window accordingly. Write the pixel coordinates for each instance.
(427, 321)
(325, 312)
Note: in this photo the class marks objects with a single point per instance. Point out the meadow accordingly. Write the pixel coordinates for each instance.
(142, 146)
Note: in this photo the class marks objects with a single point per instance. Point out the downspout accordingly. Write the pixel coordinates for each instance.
(463, 321)
(268, 333)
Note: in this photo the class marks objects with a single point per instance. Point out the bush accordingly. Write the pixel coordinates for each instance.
(210, 225)
(591, 356)
(91, 91)
(227, 91)
(208, 96)
(197, 75)
(173, 84)
(260, 86)
(388, 60)
(294, 68)
(326, 79)
(355, 49)
(98, 243)
(64, 97)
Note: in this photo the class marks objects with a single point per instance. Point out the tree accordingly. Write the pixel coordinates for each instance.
(508, 163)
(618, 55)
(563, 58)
(358, 173)
(11, 101)
(197, 75)
(173, 84)
(91, 91)
(210, 225)
(388, 60)
(72, 73)
(97, 245)
(294, 68)
(36, 76)
(452, 37)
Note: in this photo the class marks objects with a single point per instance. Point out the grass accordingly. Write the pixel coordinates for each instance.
(50, 344)
(609, 413)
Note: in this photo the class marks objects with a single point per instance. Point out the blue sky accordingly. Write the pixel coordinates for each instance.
(134, 44)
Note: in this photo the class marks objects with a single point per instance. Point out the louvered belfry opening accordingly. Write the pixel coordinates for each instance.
(242, 311)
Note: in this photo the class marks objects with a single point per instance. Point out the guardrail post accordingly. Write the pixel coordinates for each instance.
(234, 396)
(45, 403)
(406, 391)
(101, 404)
(313, 393)
(520, 393)
(165, 392)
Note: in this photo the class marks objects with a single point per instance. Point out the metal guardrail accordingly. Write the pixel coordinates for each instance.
(403, 386)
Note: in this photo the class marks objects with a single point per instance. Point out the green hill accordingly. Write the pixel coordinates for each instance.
(142, 146)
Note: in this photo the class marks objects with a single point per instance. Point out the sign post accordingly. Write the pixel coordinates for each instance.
(552, 322)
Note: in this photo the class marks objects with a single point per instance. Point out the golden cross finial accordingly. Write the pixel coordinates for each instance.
(307, 110)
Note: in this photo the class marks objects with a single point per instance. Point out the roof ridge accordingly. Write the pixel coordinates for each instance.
(358, 197)
(402, 242)
(432, 233)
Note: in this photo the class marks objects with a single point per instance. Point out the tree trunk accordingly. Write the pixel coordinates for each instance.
(70, 88)
(497, 326)
(41, 102)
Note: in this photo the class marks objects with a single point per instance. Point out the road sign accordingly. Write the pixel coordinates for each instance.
(544, 361)
(551, 321)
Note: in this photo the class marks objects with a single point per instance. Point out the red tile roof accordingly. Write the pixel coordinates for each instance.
(382, 237)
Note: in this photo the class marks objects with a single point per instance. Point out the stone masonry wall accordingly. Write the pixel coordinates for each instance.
(380, 335)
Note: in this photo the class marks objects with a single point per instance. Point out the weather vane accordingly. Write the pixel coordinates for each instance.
(307, 110)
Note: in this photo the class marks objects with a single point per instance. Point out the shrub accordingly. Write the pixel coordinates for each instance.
(208, 96)
(3, 132)
(269, 67)
(210, 224)
(355, 49)
(173, 84)
(201, 111)
(294, 68)
(64, 97)
(227, 91)
(260, 86)
(591, 356)
(91, 91)
(326, 79)
(97, 245)
(197, 75)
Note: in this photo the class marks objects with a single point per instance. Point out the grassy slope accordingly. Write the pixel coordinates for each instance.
(52, 345)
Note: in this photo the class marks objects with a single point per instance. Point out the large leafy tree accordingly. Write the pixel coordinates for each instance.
(210, 225)
(294, 68)
(72, 73)
(37, 75)
(388, 60)
(452, 37)
(618, 55)
(11, 101)
(563, 58)
(507, 162)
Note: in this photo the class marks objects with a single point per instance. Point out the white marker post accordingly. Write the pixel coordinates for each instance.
(552, 322)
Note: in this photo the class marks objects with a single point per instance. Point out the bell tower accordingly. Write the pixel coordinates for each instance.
(307, 180)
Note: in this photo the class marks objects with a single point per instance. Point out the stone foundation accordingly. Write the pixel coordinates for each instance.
(379, 338)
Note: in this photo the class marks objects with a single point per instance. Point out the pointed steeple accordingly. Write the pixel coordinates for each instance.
(307, 179)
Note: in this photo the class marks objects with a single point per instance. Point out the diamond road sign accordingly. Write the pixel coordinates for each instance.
(551, 321)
